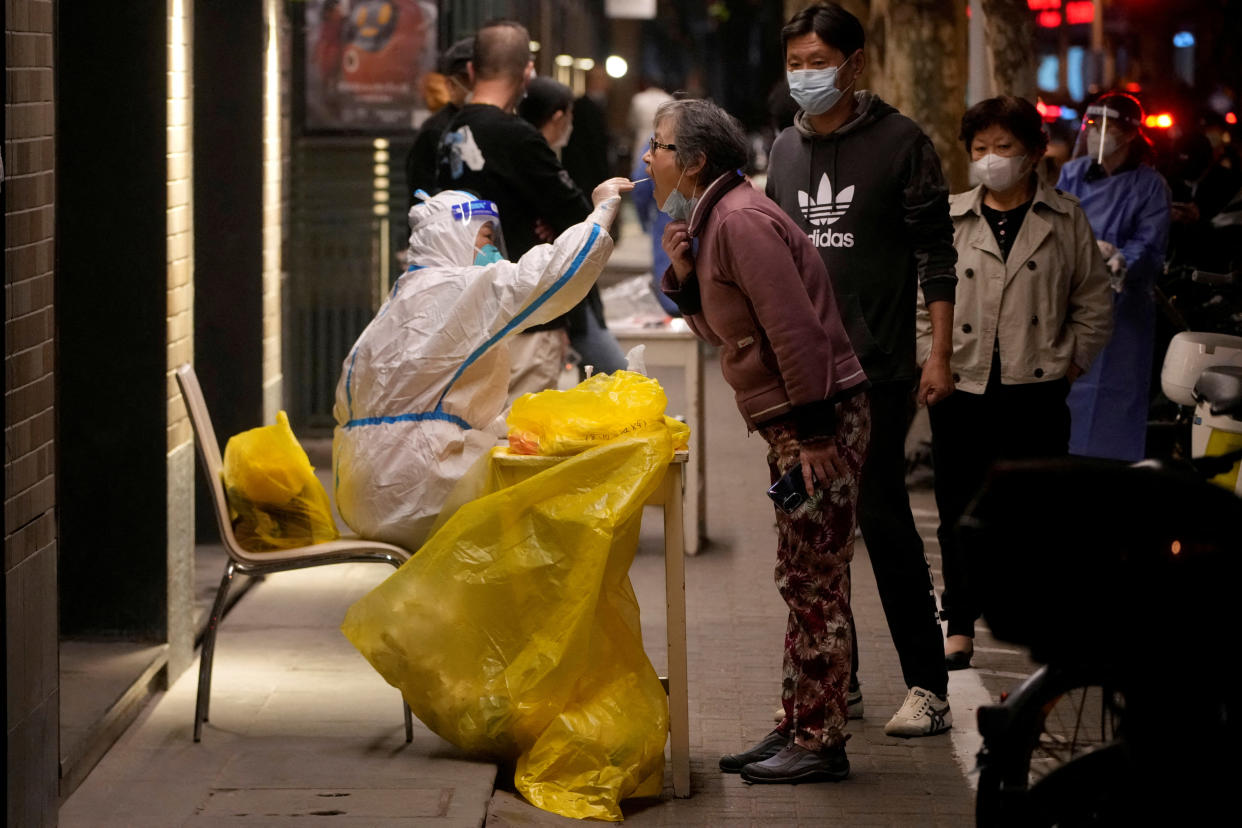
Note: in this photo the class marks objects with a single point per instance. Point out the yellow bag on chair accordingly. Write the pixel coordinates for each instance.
(514, 632)
(275, 500)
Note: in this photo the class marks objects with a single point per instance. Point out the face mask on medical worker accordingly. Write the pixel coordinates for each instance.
(815, 90)
(487, 254)
(1105, 147)
(485, 249)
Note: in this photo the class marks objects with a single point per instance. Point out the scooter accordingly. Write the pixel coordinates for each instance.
(1120, 579)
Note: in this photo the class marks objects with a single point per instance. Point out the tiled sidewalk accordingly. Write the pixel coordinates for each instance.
(736, 626)
(303, 732)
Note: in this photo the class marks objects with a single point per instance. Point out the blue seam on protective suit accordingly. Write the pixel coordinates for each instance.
(521, 317)
(410, 418)
(349, 378)
(391, 295)
(437, 413)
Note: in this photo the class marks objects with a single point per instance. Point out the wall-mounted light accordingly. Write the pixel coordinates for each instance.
(615, 66)
(534, 46)
(1183, 40)
(585, 64)
(563, 60)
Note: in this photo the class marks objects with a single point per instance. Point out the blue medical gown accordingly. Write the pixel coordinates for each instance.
(1109, 404)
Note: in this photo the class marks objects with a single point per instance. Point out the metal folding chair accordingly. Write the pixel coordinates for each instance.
(345, 550)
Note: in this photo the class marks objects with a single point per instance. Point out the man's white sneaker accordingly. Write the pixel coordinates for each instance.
(922, 714)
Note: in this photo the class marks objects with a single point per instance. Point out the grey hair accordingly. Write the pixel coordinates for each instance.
(700, 128)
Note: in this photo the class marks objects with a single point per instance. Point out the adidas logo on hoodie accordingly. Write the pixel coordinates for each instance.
(824, 210)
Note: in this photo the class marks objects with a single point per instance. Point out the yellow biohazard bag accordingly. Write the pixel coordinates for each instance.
(275, 500)
(598, 409)
(514, 631)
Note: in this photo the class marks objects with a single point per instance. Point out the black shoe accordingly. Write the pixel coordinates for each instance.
(957, 661)
(797, 764)
(769, 746)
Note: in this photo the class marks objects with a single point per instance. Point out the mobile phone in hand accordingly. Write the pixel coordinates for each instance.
(789, 492)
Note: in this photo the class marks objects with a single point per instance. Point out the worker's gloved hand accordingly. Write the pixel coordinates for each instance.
(1116, 264)
(607, 200)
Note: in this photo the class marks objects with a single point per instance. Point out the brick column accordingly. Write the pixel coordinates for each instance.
(30, 601)
(275, 198)
(180, 335)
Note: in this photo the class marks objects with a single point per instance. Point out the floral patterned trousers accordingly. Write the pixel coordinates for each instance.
(814, 547)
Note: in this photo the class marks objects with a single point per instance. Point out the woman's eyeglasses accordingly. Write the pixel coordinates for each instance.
(655, 145)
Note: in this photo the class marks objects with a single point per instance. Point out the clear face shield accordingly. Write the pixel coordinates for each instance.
(1105, 129)
(483, 221)
(454, 228)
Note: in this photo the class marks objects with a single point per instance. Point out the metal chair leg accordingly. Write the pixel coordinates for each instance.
(209, 651)
(405, 708)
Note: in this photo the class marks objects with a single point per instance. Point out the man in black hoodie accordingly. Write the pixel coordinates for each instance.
(488, 150)
(865, 184)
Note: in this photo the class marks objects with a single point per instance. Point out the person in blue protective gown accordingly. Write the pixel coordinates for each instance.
(1127, 205)
(653, 222)
(422, 392)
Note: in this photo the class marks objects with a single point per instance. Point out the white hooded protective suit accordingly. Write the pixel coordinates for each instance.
(422, 391)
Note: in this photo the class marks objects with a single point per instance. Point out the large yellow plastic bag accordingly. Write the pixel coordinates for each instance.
(596, 410)
(514, 632)
(275, 499)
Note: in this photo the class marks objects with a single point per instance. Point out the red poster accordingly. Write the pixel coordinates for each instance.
(365, 62)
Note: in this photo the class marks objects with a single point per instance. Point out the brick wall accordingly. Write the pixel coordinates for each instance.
(275, 197)
(180, 299)
(180, 216)
(30, 621)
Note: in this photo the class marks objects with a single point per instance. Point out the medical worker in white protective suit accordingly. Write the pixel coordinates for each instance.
(422, 392)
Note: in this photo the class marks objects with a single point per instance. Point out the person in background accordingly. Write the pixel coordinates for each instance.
(549, 107)
(487, 149)
(864, 183)
(1032, 310)
(420, 163)
(749, 282)
(585, 155)
(1060, 147)
(643, 106)
(1201, 187)
(653, 222)
(1127, 203)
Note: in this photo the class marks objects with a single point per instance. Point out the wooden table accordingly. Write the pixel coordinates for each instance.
(678, 347)
(669, 496)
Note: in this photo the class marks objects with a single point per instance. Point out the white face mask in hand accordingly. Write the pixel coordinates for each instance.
(998, 173)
